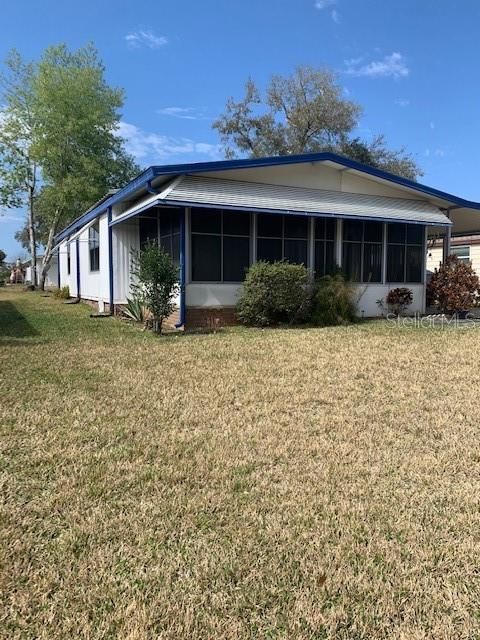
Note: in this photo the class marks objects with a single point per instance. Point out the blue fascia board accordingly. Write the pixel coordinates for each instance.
(152, 172)
(121, 194)
(225, 165)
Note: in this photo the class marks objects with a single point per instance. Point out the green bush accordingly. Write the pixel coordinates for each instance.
(333, 301)
(274, 293)
(454, 286)
(62, 293)
(155, 283)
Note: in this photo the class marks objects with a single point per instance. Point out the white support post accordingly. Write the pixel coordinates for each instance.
(339, 242)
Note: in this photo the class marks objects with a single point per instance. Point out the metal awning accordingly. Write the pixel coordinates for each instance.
(191, 190)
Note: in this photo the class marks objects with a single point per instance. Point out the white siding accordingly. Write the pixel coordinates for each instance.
(226, 295)
(367, 304)
(316, 176)
(65, 278)
(94, 284)
(212, 295)
(52, 274)
(435, 256)
(125, 238)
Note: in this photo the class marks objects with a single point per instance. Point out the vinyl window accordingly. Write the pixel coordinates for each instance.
(462, 252)
(94, 246)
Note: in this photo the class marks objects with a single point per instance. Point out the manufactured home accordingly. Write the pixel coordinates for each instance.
(51, 279)
(466, 248)
(217, 218)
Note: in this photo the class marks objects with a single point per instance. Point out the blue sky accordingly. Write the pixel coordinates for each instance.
(412, 64)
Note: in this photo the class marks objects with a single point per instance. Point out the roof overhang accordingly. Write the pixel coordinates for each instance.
(204, 191)
(142, 183)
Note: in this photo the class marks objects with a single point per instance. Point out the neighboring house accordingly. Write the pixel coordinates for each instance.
(466, 248)
(217, 218)
(52, 274)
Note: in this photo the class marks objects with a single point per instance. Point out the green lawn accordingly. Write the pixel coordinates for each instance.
(310, 483)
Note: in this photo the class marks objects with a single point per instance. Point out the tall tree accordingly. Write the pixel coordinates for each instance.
(77, 145)
(302, 113)
(19, 171)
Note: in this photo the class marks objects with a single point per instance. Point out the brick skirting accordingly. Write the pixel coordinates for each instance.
(210, 318)
(195, 317)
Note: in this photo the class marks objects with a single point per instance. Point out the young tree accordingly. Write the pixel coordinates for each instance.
(302, 113)
(18, 166)
(77, 145)
(156, 282)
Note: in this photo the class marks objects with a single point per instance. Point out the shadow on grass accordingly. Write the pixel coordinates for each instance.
(12, 323)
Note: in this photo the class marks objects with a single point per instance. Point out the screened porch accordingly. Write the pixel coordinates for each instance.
(220, 244)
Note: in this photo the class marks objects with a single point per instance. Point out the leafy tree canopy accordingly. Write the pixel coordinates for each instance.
(61, 119)
(303, 113)
(81, 155)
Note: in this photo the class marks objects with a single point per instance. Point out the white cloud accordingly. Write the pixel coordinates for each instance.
(323, 4)
(148, 147)
(402, 102)
(394, 66)
(439, 153)
(336, 16)
(138, 39)
(185, 113)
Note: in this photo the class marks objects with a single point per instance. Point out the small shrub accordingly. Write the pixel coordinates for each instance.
(399, 299)
(134, 310)
(156, 283)
(4, 275)
(454, 286)
(274, 293)
(334, 301)
(62, 293)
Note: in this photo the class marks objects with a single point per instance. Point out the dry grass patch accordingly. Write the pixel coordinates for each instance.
(319, 483)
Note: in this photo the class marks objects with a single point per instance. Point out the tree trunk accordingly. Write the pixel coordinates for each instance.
(47, 256)
(31, 237)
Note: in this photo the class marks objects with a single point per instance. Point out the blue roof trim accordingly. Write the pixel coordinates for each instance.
(223, 165)
(137, 183)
